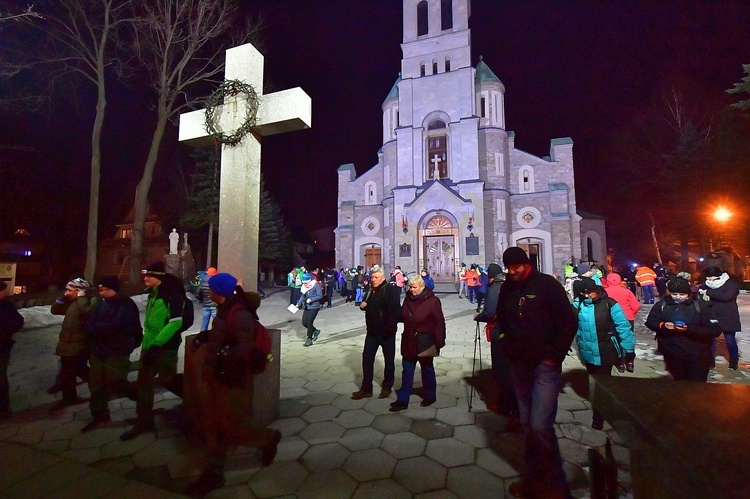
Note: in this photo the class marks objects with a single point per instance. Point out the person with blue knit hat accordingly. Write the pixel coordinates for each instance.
(226, 402)
(309, 300)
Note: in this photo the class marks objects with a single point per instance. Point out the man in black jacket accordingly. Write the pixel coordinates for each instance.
(10, 322)
(382, 307)
(539, 324)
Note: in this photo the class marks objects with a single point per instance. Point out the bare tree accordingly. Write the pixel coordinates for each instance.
(29, 12)
(181, 43)
(79, 39)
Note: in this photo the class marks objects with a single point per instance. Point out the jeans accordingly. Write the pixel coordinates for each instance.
(501, 372)
(329, 294)
(107, 377)
(308, 320)
(4, 386)
(648, 293)
(472, 289)
(429, 383)
(479, 297)
(462, 289)
(537, 388)
(605, 370)
(372, 343)
(208, 314)
(688, 369)
(358, 298)
(165, 365)
(734, 351)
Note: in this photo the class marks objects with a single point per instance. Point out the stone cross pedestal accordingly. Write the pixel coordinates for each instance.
(239, 204)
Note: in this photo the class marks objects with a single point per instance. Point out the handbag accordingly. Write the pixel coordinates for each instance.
(426, 345)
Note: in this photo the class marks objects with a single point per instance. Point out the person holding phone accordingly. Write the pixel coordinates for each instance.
(685, 329)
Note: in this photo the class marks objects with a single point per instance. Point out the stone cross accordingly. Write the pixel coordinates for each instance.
(239, 203)
(435, 160)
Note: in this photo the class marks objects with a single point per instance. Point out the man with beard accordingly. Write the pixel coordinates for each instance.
(539, 324)
(382, 307)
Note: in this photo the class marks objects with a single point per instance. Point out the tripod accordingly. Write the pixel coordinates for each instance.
(477, 344)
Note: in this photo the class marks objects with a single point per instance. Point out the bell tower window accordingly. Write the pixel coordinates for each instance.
(446, 14)
(422, 18)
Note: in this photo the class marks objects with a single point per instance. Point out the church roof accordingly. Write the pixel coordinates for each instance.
(590, 216)
(393, 94)
(485, 74)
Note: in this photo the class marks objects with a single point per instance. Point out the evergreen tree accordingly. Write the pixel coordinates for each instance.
(742, 87)
(272, 234)
(202, 206)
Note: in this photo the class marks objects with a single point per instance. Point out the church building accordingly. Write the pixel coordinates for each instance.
(449, 186)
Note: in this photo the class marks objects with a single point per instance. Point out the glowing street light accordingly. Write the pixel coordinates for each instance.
(722, 214)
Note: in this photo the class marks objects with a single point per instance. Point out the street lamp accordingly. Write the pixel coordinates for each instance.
(722, 214)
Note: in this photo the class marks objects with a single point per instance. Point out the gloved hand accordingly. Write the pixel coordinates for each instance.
(629, 359)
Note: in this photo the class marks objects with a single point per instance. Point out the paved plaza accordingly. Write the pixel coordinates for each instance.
(333, 446)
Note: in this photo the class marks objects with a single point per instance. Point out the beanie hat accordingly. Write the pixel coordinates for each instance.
(678, 285)
(587, 285)
(211, 271)
(582, 268)
(306, 277)
(156, 269)
(223, 284)
(713, 272)
(352, 271)
(78, 284)
(111, 282)
(494, 270)
(514, 256)
(3, 285)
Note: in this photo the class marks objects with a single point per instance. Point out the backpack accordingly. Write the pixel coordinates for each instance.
(260, 355)
(188, 315)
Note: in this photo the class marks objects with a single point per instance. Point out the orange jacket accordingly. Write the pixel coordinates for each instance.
(645, 276)
(471, 277)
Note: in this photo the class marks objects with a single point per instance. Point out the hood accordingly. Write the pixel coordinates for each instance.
(614, 279)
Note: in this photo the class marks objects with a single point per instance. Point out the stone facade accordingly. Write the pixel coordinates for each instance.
(449, 185)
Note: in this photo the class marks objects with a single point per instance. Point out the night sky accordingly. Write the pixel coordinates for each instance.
(580, 69)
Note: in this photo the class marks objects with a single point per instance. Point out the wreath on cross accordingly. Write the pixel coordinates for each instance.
(231, 88)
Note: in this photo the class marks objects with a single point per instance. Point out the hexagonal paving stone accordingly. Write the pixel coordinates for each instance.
(391, 423)
(344, 388)
(329, 484)
(379, 406)
(291, 448)
(361, 439)
(420, 474)
(450, 452)
(492, 461)
(355, 418)
(473, 481)
(319, 375)
(321, 413)
(474, 436)
(379, 489)
(325, 457)
(403, 445)
(278, 479)
(289, 426)
(322, 433)
(320, 398)
(431, 429)
(320, 385)
(292, 382)
(289, 408)
(370, 464)
(456, 390)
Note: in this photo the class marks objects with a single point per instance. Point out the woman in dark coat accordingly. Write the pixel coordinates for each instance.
(685, 328)
(721, 292)
(421, 313)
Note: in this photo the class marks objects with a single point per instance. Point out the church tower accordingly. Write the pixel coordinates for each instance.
(449, 186)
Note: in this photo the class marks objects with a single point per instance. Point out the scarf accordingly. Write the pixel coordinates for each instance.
(716, 284)
(307, 286)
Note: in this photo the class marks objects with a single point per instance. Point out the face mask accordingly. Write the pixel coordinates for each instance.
(680, 299)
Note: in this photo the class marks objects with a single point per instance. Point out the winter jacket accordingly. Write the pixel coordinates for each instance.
(471, 277)
(204, 295)
(163, 321)
(110, 326)
(723, 304)
(233, 327)
(596, 319)
(536, 318)
(490, 307)
(383, 310)
(73, 339)
(11, 321)
(645, 276)
(627, 300)
(421, 314)
(314, 294)
(429, 282)
(483, 282)
(692, 343)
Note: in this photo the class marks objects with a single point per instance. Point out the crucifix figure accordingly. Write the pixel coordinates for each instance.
(239, 203)
(436, 160)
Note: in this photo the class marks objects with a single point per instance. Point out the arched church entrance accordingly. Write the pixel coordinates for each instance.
(372, 256)
(533, 248)
(438, 249)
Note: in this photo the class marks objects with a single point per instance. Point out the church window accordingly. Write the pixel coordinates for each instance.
(526, 179)
(483, 107)
(434, 67)
(501, 209)
(436, 125)
(500, 164)
(439, 222)
(590, 248)
(386, 217)
(421, 70)
(437, 151)
(447, 65)
(387, 175)
(446, 14)
(422, 18)
(370, 193)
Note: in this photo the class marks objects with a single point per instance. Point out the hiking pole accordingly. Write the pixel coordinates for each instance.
(477, 344)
